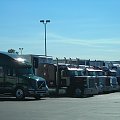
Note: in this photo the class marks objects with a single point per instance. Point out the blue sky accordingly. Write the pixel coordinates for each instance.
(86, 29)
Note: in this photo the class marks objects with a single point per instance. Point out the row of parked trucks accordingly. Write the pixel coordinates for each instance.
(38, 76)
(78, 81)
(75, 80)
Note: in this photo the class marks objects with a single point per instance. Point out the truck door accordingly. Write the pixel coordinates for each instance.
(10, 80)
(1, 79)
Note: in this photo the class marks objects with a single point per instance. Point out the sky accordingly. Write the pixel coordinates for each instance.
(85, 29)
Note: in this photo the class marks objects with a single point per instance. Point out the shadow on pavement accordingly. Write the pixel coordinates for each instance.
(2, 99)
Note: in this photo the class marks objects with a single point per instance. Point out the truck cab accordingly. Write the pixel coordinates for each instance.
(80, 84)
(17, 78)
(112, 75)
(102, 81)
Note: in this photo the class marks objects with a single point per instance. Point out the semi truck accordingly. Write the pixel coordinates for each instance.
(103, 81)
(17, 78)
(106, 80)
(112, 75)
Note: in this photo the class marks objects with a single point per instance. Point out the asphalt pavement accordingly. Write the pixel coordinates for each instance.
(99, 107)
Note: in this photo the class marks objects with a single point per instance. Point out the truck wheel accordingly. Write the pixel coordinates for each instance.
(19, 94)
(77, 92)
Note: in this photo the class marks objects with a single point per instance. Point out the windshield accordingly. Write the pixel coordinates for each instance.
(91, 73)
(112, 73)
(99, 73)
(75, 73)
(80, 73)
(25, 71)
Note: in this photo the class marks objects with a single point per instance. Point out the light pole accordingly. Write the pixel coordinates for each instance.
(45, 23)
(21, 49)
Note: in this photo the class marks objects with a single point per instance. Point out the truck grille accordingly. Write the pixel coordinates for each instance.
(41, 84)
(91, 83)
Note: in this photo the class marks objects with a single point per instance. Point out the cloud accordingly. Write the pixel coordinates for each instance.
(93, 43)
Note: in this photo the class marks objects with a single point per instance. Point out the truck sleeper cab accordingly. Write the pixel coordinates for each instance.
(17, 78)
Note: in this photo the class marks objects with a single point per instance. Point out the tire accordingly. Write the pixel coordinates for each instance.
(77, 92)
(19, 94)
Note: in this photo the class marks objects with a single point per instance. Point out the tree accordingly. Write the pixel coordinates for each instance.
(12, 51)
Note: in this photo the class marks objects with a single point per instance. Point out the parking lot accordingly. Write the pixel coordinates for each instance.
(99, 107)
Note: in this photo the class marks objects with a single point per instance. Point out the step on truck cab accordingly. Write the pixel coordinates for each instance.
(17, 78)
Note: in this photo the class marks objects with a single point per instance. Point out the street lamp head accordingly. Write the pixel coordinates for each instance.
(42, 21)
(47, 21)
(20, 48)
